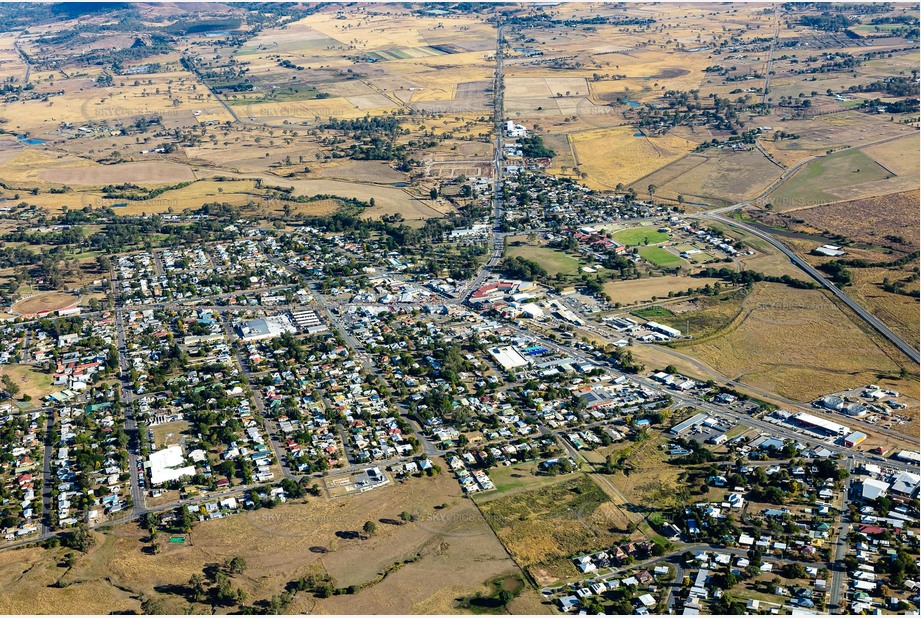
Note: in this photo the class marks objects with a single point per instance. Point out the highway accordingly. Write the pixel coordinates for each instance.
(868, 317)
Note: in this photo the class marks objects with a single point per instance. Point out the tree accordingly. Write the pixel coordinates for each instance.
(80, 539)
(433, 194)
(152, 607)
(10, 386)
(236, 565)
(369, 528)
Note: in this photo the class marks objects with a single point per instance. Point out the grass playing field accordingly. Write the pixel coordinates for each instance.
(640, 236)
(659, 256)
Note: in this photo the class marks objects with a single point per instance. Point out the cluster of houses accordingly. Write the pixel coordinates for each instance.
(603, 574)
(186, 273)
(537, 201)
(20, 471)
(86, 492)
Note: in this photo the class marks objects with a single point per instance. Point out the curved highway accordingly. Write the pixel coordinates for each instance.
(868, 317)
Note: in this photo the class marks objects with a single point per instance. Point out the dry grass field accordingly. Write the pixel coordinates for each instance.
(792, 342)
(31, 382)
(542, 527)
(641, 290)
(612, 156)
(457, 554)
(869, 219)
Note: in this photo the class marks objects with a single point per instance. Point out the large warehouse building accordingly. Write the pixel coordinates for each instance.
(822, 425)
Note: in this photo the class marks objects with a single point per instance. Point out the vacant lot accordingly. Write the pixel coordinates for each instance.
(543, 527)
(652, 288)
(552, 260)
(34, 383)
(791, 341)
(640, 236)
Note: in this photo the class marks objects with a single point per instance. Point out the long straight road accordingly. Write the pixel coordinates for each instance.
(498, 206)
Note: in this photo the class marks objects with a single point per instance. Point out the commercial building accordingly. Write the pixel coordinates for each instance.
(854, 439)
(266, 328)
(683, 426)
(508, 357)
(166, 465)
(822, 425)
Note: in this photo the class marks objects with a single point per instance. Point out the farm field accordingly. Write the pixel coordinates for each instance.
(612, 156)
(827, 180)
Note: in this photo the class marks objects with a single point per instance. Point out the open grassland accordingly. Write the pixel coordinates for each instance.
(791, 341)
(612, 156)
(552, 260)
(898, 311)
(541, 528)
(452, 552)
(869, 219)
(707, 315)
(639, 290)
(517, 478)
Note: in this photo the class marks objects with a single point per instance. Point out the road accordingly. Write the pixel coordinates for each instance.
(25, 58)
(194, 68)
(841, 546)
(865, 315)
(268, 427)
(48, 479)
(498, 206)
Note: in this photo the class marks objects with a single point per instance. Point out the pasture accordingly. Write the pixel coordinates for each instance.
(789, 341)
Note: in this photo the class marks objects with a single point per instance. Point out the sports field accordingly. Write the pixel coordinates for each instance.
(640, 236)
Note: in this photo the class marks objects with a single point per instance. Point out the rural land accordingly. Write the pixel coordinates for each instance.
(459, 308)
